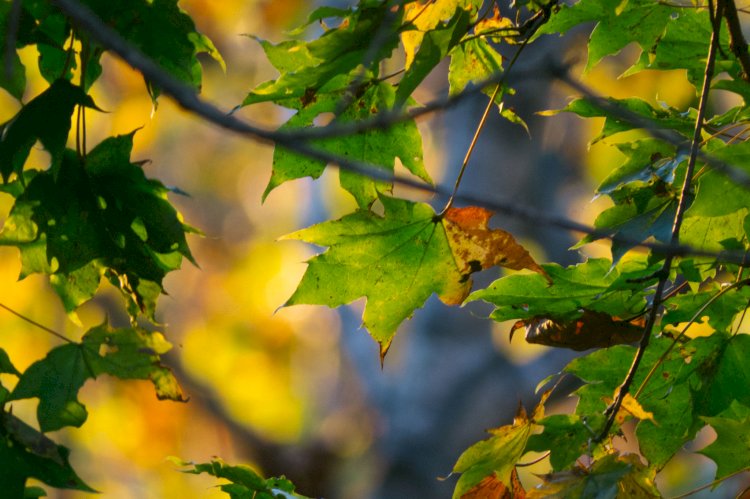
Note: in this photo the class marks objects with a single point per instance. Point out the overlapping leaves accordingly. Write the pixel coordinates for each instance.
(124, 353)
(101, 217)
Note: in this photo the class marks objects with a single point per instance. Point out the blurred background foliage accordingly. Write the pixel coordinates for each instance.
(281, 388)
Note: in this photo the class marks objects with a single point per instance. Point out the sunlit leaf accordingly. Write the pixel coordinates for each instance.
(406, 253)
(593, 285)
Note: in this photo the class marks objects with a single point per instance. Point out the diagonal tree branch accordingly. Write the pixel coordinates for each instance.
(186, 97)
(682, 206)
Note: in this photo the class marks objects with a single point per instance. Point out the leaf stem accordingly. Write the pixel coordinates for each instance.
(35, 323)
(483, 119)
(682, 204)
(469, 151)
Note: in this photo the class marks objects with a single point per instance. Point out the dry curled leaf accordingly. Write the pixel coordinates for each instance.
(591, 330)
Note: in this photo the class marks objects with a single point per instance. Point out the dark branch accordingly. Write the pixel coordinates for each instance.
(737, 42)
(186, 97)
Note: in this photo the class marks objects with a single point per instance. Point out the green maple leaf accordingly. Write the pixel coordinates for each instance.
(731, 449)
(400, 259)
(162, 31)
(15, 81)
(396, 261)
(337, 52)
(379, 147)
(127, 353)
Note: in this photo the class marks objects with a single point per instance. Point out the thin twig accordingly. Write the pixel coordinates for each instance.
(35, 323)
(682, 205)
(470, 150)
(697, 315)
(737, 42)
(483, 121)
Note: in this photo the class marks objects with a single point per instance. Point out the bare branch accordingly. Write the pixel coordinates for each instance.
(186, 97)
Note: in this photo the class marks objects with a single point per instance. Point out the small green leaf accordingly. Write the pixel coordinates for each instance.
(566, 436)
(435, 45)
(495, 456)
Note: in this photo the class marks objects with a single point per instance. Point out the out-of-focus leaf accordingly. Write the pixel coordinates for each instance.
(426, 17)
(404, 253)
(472, 61)
(124, 353)
(26, 453)
(245, 482)
(435, 45)
(594, 285)
(731, 449)
(45, 118)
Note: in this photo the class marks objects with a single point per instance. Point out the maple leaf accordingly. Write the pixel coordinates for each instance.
(400, 259)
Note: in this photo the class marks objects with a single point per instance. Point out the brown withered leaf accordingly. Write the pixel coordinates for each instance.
(492, 488)
(476, 247)
(591, 330)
